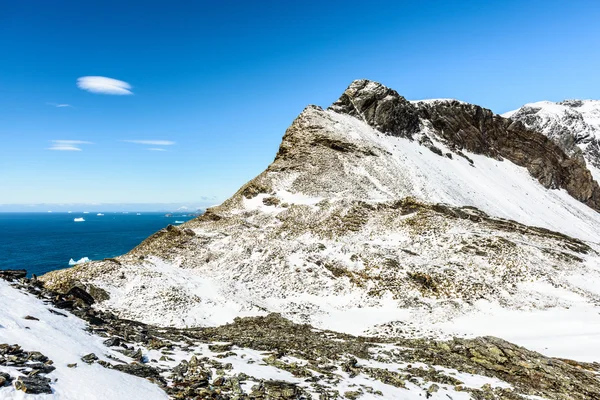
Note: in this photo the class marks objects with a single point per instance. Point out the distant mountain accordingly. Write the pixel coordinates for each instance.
(573, 124)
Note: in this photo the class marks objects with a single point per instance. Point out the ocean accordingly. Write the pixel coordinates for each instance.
(43, 242)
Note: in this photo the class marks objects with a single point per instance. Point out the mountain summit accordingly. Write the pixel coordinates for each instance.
(573, 124)
(380, 215)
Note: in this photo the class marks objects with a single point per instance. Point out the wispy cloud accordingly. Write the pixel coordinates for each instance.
(60, 105)
(67, 145)
(151, 142)
(155, 149)
(104, 85)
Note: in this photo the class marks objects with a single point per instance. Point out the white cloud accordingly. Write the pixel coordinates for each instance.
(151, 142)
(63, 147)
(104, 85)
(156, 149)
(60, 105)
(67, 145)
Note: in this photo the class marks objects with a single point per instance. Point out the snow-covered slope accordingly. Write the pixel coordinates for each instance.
(379, 215)
(257, 358)
(573, 124)
(63, 339)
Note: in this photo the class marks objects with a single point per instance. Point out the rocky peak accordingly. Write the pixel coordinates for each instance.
(572, 124)
(466, 127)
(380, 107)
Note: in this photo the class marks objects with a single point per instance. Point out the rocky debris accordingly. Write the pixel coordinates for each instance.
(5, 379)
(112, 342)
(32, 364)
(30, 318)
(10, 274)
(319, 357)
(220, 348)
(278, 390)
(528, 371)
(137, 369)
(89, 358)
(81, 294)
(33, 384)
(175, 237)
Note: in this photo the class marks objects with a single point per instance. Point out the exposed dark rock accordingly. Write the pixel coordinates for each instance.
(478, 130)
(381, 107)
(57, 313)
(277, 390)
(220, 348)
(141, 370)
(33, 384)
(41, 368)
(64, 304)
(5, 379)
(81, 294)
(89, 358)
(10, 274)
(113, 341)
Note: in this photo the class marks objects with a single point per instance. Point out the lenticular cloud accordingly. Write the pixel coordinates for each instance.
(104, 85)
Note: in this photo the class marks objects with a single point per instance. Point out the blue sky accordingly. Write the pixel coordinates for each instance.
(223, 80)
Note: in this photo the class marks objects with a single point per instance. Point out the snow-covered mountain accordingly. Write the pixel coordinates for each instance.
(382, 215)
(573, 124)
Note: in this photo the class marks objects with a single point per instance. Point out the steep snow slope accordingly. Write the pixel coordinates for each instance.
(573, 124)
(384, 168)
(64, 341)
(380, 220)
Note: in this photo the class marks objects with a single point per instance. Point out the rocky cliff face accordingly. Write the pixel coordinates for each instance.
(573, 124)
(467, 127)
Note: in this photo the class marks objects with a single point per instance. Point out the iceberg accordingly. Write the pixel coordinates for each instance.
(79, 220)
(80, 261)
(100, 214)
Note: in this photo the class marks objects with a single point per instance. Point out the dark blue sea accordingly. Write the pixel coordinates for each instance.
(42, 242)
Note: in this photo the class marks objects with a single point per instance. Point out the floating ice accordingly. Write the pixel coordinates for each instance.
(80, 261)
(79, 220)
(100, 214)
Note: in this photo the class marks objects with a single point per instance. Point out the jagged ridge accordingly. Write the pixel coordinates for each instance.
(467, 127)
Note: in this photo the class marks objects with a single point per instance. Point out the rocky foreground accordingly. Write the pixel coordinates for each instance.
(270, 357)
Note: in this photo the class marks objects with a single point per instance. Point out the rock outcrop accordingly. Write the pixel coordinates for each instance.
(467, 127)
(573, 124)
